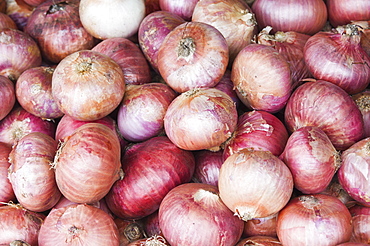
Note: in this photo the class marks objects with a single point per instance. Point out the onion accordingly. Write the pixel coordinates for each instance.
(312, 159)
(87, 85)
(19, 12)
(238, 24)
(128, 231)
(314, 220)
(34, 2)
(325, 105)
(3, 5)
(142, 110)
(360, 221)
(262, 78)
(152, 31)
(364, 29)
(33, 92)
(78, 224)
(18, 223)
(260, 241)
(151, 225)
(6, 21)
(184, 9)
(20, 122)
(88, 163)
(111, 18)
(6, 188)
(303, 16)
(354, 171)
(155, 240)
(19, 52)
(151, 6)
(362, 100)
(152, 168)
(7, 95)
(254, 184)
(258, 130)
(338, 57)
(198, 208)
(128, 55)
(226, 85)
(335, 189)
(202, 118)
(265, 227)
(207, 166)
(193, 55)
(341, 12)
(352, 244)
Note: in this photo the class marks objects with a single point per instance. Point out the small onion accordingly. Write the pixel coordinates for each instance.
(19, 12)
(254, 184)
(151, 225)
(265, 226)
(207, 166)
(202, 118)
(341, 12)
(151, 6)
(360, 221)
(184, 9)
(335, 189)
(6, 21)
(362, 100)
(6, 188)
(314, 220)
(7, 96)
(198, 208)
(226, 85)
(259, 241)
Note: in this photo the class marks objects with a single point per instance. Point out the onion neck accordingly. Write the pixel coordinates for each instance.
(56, 7)
(186, 48)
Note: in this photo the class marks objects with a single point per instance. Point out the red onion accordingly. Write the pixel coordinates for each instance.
(151, 6)
(142, 110)
(151, 225)
(184, 9)
(19, 52)
(362, 99)
(6, 188)
(364, 29)
(78, 224)
(193, 55)
(304, 16)
(19, 11)
(207, 166)
(198, 208)
(258, 130)
(352, 244)
(19, 123)
(360, 221)
(338, 57)
(341, 12)
(33, 91)
(226, 85)
(18, 223)
(6, 21)
(152, 168)
(34, 2)
(354, 171)
(238, 24)
(260, 241)
(262, 78)
(265, 226)
(128, 231)
(254, 184)
(128, 55)
(325, 105)
(335, 189)
(152, 31)
(88, 85)
(202, 118)
(79, 161)
(312, 159)
(314, 220)
(3, 5)
(7, 96)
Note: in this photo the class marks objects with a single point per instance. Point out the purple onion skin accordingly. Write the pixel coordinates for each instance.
(7, 96)
(207, 166)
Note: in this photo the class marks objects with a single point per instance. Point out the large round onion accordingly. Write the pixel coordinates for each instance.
(88, 163)
(152, 168)
(6, 188)
(314, 220)
(7, 96)
(198, 208)
(202, 118)
(78, 224)
(341, 12)
(325, 105)
(254, 184)
(88, 85)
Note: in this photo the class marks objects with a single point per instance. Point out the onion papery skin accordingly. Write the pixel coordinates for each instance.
(156, 240)
(124, 17)
(193, 55)
(19, 12)
(207, 166)
(152, 31)
(129, 56)
(323, 104)
(335, 189)
(343, 12)
(6, 188)
(202, 118)
(338, 57)
(78, 224)
(314, 220)
(312, 159)
(362, 99)
(258, 130)
(260, 241)
(184, 9)
(199, 208)
(142, 110)
(7, 95)
(238, 24)
(354, 171)
(20, 122)
(18, 223)
(33, 92)
(265, 227)
(267, 184)
(32, 179)
(57, 29)
(128, 231)
(6, 21)
(360, 221)
(364, 28)
(152, 168)
(304, 16)
(262, 78)
(88, 85)
(88, 163)
(19, 52)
